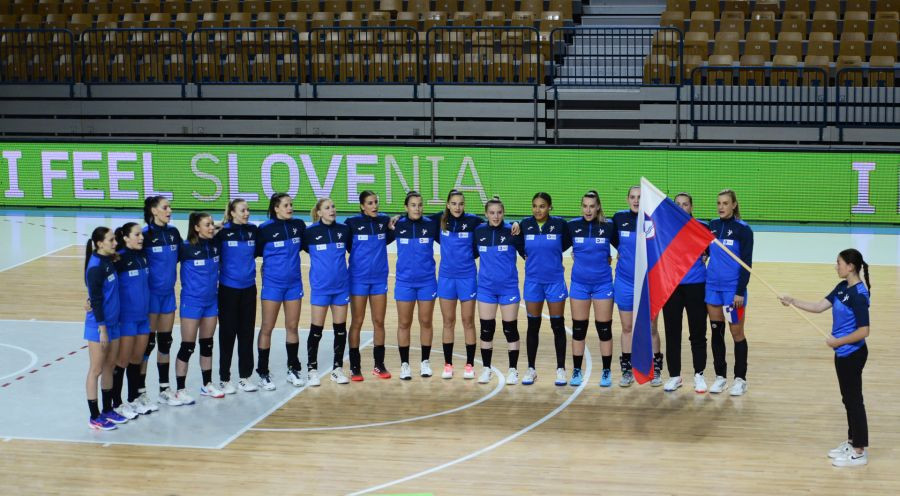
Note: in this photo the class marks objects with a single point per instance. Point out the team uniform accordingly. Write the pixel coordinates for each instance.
(133, 270)
(103, 293)
(161, 247)
(688, 295)
(457, 273)
(625, 222)
(368, 254)
(415, 279)
(329, 280)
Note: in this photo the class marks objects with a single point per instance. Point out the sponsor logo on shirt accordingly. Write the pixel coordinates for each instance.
(232, 243)
(380, 235)
(199, 263)
(157, 249)
(551, 236)
(482, 248)
(321, 247)
(362, 237)
(339, 245)
(111, 278)
(529, 237)
(404, 241)
(626, 234)
(463, 235)
(134, 273)
(579, 240)
(728, 242)
(424, 241)
(502, 248)
(278, 244)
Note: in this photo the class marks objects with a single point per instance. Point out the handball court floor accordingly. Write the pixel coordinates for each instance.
(432, 436)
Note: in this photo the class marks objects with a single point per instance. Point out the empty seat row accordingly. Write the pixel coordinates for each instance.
(778, 6)
(855, 21)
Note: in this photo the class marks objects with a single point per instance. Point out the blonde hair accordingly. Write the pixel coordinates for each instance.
(230, 208)
(314, 213)
(730, 192)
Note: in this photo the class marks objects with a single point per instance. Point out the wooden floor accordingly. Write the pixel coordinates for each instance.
(525, 440)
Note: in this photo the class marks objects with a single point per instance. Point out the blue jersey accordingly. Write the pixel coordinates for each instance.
(103, 292)
(369, 237)
(544, 246)
(327, 247)
(199, 272)
(415, 249)
(238, 244)
(723, 272)
(457, 260)
(625, 222)
(161, 246)
(279, 244)
(697, 274)
(849, 311)
(590, 250)
(133, 270)
(497, 247)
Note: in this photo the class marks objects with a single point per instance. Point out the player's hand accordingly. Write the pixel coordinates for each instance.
(104, 336)
(393, 222)
(87, 304)
(738, 301)
(515, 230)
(832, 341)
(786, 300)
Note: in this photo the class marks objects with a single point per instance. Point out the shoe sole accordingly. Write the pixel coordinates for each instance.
(560, 384)
(405, 377)
(357, 378)
(676, 388)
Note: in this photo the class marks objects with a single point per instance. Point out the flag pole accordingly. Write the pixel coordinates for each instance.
(778, 294)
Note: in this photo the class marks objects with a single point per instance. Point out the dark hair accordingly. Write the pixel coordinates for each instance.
(193, 222)
(596, 196)
(150, 203)
(446, 215)
(852, 256)
(274, 202)
(121, 232)
(233, 203)
(495, 200)
(543, 196)
(411, 194)
(97, 236)
(631, 188)
(730, 192)
(364, 196)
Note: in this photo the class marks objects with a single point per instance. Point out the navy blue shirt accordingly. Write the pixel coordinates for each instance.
(849, 312)
(369, 237)
(279, 244)
(625, 222)
(697, 274)
(591, 243)
(497, 247)
(457, 259)
(327, 247)
(723, 272)
(415, 249)
(161, 246)
(238, 244)
(544, 246)
(133, 270)
(103, 292)
(199, 272)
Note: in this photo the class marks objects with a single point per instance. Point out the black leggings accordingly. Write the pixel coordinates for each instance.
(686, 297)
(237, 318)
(849, 373)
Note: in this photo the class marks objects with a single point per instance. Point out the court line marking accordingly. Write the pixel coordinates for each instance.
(30, 353)
(4, 269)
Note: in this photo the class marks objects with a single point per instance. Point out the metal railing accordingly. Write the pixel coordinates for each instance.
(867, 97)
(134, 55)
(45, 56)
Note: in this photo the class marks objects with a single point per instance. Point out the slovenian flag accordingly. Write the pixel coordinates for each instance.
(669, 242)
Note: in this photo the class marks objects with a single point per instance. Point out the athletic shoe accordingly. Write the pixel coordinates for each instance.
(185, 399)
(425, 368)
(512, 377)
(227, 387)
(673, 383)
(212, 391)
(448, 371)
(113, 417)
(530, 377)
(145, 400)
(312, 378)
(842, 449)
(485, 376)
(469, 371)
(606, 378)
(337, 375)
(265, 382)
(168, 397)
(627, 378)
(381, 372)
(101, 424)
(126, 411)
(561, 379)
(577, 378)
(356, 375)
(247, 385)
(140, 408)
(738, 387)
(851, 459)
(718, 385)
(405, 372)
(657, 378)
(700, 384)
(296, 378)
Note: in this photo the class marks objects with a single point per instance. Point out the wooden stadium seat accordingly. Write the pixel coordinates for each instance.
(321, 20)
(132, 20)
(72, 7)
(201, 7)
(673, 18)
(121, 70)
(420, 7)
(887, 6)
(707, 6)
(783, 77)
(849, 78)
(881, 78)
(322, 68)
(280, 6)
(773, 6)
(46, 7)
(160, 20)
(493, 18)
(334, 6)
(689, 63)
(150, 69)
(174, 6)
(657, 70)
(434, 18)
(392, 6)
(856, 21)
(363, 7)
(758, 43)
(821, 44)
(379, 19)
(789, 43)
(30, 21)
(80, 22)
(291, 69)
(309, 7)
(97, 7)
(852, 48)
(477, 7)
(727, 42)
(794, 21)
(666, 43)
(742, 6)
(95, 69)
(720, 76)
(239, 20)
(409, 20)
(22, 7)
(225, 7)
(752, 77)
(145, 7)
(235, 68)
(267, 20)
(858, 5)
(763, 22)
(825, 21)
(797, 6)
(463, 19)
(884, 44)
(350, 68)
(534, 6)
(683, 6)
(886, 16)
(296, 21)
(448, 6)
(350, 19)
(186, 21)
(562, 6)
(253, 7)
(107, 21)
(523, 19)
(7, 21)
(440, 68)
(56, 21)
(697, 43)
(206, 68)
(212, 20)
(703, 21)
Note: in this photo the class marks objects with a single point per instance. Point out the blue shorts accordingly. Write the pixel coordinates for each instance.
(363, 289)
(134, 328)
(504, 298)
(198, 312)
(462, 289)
(602, 291)
(275, 293)
(725, 299)
(326, 300)
(422, 292)
(624, 296)
(552, 291)
(92, 332)
(162, 304)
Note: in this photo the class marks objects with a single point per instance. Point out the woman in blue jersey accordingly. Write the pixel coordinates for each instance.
(237, 295)
(279, 244)
(327, 242)
(849, 303)
(592, 235)
(101, 326)
(726, 290)
(546, 238)
(415, 281)
(625, 222)
(370, 236)
(161, 242)
(688, 296)
(199, 257)
(498, 285)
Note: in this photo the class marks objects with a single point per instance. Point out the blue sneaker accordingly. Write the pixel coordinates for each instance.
(101, 424)
(576, 378)
(606, 378)
(113, 417)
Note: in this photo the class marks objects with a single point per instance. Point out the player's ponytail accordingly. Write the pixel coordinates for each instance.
(150, 203)
(446, 215)
(97, 236)
(852, 256)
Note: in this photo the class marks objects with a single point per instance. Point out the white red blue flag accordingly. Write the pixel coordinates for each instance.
(669, 242)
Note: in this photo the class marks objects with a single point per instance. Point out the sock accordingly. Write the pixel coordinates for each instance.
(404, 354)
(717, 344)
(340, 342)
(142, 383)
(293, 357)
(577, 360)
(558, 325)
(163, 369)
(625, 361)
(312, 346)
(486, 355)
(470, 354)
(118, 381)
(354, 360)
(95, 410)
(179, 381)
(426, 353)
(262, 366)
(378, 353)
(133, 374)
(532, 339)
(740, 359)
(207, 376)
(107, 399)
(658, 361)
(513, 358)
(607, 361)
(448, 353)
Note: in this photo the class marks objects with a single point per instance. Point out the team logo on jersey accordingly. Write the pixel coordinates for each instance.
(196, 253)
(318, 238)
(481, 239)
(502, 238)
(600, 232)
(340, 235)
(155, 240)
(130, 263)
(512, 298)
(402, 231)
(230, 234)
(295, 230)
(624, 224)
(381, 227)
(215, 250)
(577, 230)
(551, 228)
(360, 228)
(464, 226)
(729, 232)
(530, 228)
(275, 235)
(424, 232)
(845, 298)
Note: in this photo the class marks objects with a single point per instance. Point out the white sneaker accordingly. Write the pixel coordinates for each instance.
(295, 378)
(657, 379)
(700, 384)
(718, 385)
(842, 450)
(852, 459)
(673, 383)
(139, 407)
(425, 369)
(168, 397)
(738, 387)
(312, 378)
(512, 377)
(227, 387)
(530, 377)
(211, 390)
(469, 371)
(247, 385)
(485, 376)
(184, 398)
(627, 379)
(337, 375)
(561, 379)
(265, 382)
(448, 371)
(126, 411)
(405, 372)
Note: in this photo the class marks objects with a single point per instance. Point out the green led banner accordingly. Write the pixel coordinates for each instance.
(771, 186)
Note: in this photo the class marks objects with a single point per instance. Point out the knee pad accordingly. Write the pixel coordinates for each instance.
(488, 328)
(185, 352)
(206, 347)
(511, 331)
(315, 332)
(604, 330)
(579, 329)
(151, 343)
(340, 330)
(164, 340)
(557, 325)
